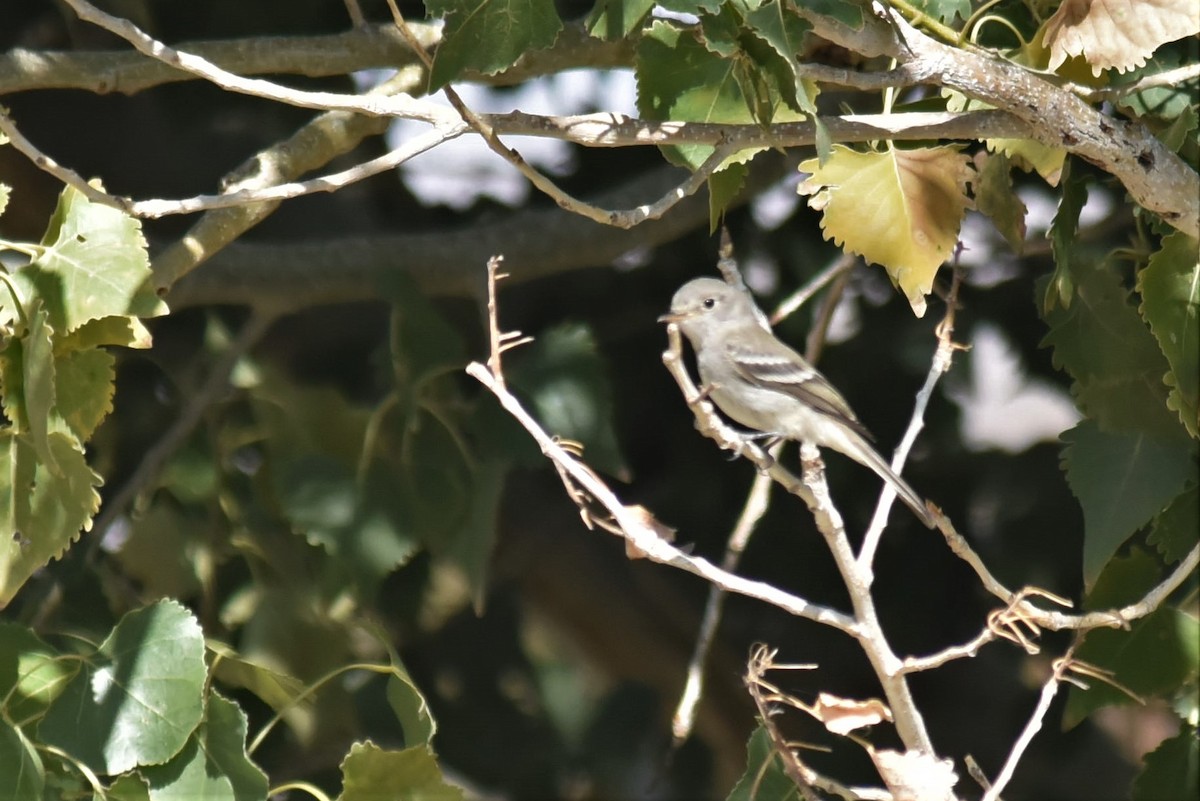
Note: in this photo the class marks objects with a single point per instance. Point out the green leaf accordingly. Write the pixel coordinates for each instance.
(847, 12)
(279, 690)
(471, 545)
(764, 779)
(489, 35)
(85, 381)
(1156, 656)
(1177, 528)
(945, 10)
(1170, 772)
(138, 697)
(680, 78)
(567, 382)
(120, 330)
(1170, 289)
(41, 513)
(29, 398)
(22, 776)
(213, 764)
(411, 709)
(1115, 361)
(94, 265)
(777, 24)
(616, 19)
(1060, 289)
(1121, 480)
(129, 787)
(723, 187)
(994, 197)
(369, 773)
(32, 674)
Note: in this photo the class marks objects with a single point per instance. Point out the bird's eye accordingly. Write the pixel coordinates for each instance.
(710, 303)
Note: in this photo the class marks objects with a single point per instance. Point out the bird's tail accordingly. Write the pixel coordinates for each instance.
(872, 459)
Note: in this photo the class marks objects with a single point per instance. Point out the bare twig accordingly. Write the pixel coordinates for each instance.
(843, 263)
(286, 191)
(374, 105)
(693, 688)
(1049, 689)
(942, 357)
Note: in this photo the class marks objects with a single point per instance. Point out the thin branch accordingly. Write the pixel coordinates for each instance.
(755, 507)
(938, 367)
(374, 105)
(1049, 689)
(843, 263)
(286, 191)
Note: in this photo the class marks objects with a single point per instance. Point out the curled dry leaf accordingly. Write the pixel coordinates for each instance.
(1117, 33)
(844, 715)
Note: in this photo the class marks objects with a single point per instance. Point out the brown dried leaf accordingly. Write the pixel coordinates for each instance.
(844, 715)
(1117, 33)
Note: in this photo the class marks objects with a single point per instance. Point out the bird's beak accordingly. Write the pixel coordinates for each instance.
(673, 317)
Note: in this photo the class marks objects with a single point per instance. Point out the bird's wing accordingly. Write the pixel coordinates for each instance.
(770, 364)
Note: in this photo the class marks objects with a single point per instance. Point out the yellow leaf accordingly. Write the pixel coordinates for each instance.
(1117, 33)
(900, 208)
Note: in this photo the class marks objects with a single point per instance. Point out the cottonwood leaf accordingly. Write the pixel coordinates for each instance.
(32, 674)
(118, 329)
(945, 10)
(213, 763)
(21, 770)
(899, 208)
(1120, 34)
(138, 698)
(1154, 656)
(1115, 361)
(94, 265)
(370, 773)
(995, 198)
(1060, 290)
(85, 381)
(1122, 480)
(41, 512)
(1177, 528)
(612, 20)
(1172, 770)
(682, 77)
(279, 690)
(764, 779)
(488, 36)
(777, 24)
(1170, 290)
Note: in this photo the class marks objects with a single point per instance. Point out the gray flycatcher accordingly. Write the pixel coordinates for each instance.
(762, 383)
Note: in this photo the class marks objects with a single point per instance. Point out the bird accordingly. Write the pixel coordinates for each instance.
(762, 383)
